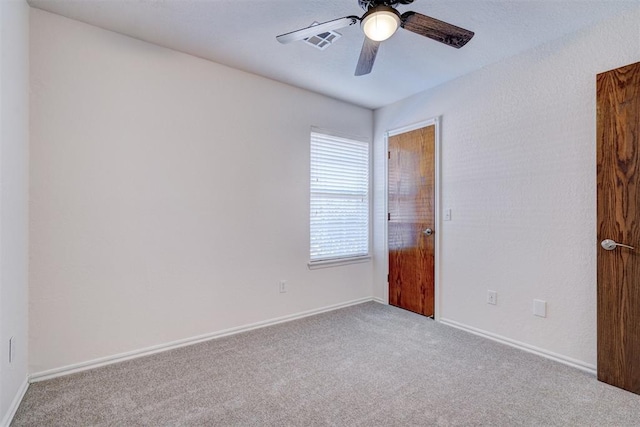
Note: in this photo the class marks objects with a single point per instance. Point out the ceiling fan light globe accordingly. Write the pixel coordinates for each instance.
(378, 25)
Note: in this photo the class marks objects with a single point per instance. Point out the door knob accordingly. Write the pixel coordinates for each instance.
(610, 245)
(428, 231)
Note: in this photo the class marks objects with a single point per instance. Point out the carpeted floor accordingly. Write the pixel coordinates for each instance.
(367, 365)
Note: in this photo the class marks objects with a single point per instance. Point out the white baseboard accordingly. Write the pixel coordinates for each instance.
(379, 301)
(14, 404)
(522, 346)
(116, 358)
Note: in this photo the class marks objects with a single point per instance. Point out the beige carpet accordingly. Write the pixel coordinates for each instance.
(367, 365)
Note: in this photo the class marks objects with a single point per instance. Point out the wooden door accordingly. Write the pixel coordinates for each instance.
(411, 216)
(618, 160)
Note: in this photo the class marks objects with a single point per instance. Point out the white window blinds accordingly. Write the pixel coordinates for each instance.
(339, 198)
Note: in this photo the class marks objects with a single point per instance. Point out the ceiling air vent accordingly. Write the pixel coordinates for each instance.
(324, 40)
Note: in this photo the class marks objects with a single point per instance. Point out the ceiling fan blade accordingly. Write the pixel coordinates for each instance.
(367, 56)
(314, 30)
(435, 29)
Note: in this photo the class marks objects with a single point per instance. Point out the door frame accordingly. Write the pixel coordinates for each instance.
(435, 121)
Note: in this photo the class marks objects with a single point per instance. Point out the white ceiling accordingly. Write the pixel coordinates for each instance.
(241, 34)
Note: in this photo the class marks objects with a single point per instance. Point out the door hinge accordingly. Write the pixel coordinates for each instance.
(387, 278)
(388, 154)
(389, 216)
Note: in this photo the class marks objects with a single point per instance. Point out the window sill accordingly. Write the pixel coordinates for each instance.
(314, 265)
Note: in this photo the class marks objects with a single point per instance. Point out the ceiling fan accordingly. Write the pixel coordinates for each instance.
(380, 21)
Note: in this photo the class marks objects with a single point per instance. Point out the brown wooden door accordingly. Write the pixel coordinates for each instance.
(411, 214)
(618, 160)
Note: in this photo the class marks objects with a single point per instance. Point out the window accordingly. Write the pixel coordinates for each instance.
(339, 222)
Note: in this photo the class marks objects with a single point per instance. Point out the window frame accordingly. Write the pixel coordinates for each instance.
(350, 259)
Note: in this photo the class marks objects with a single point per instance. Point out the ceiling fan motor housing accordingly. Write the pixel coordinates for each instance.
(369, 4)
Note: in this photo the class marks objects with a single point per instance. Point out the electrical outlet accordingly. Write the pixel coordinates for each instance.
(492, 297)
(283, 286)
(539, 308)
(12, 347)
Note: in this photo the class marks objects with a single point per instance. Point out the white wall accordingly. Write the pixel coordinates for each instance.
(169, 195)
(14, 145)
(518, 172)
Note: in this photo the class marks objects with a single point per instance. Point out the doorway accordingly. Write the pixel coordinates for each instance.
(618, 166)
(412, 235)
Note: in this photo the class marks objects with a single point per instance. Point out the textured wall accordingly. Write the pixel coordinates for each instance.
(518, 172)
(14, 145)
(169, 195)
